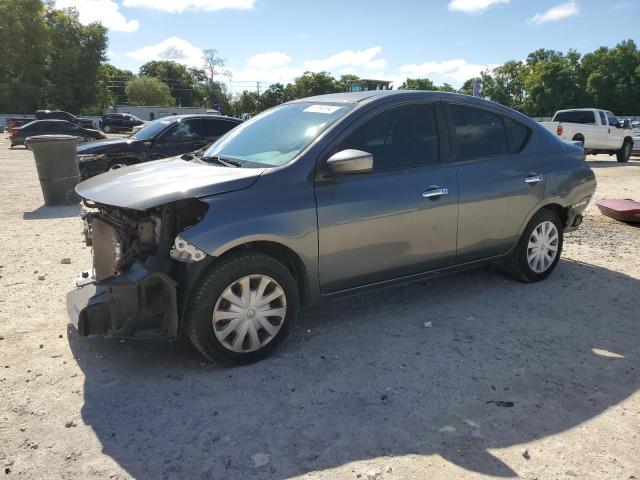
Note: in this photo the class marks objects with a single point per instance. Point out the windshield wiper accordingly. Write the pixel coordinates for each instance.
(222, 161)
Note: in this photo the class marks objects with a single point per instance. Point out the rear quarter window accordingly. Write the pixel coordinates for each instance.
(517, 134)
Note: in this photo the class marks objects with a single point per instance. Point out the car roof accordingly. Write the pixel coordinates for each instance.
(372, 96)
(196, 115)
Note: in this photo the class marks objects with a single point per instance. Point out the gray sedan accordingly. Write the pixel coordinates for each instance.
(320, 197)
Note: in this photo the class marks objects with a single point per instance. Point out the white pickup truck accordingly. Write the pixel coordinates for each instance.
(598, 130)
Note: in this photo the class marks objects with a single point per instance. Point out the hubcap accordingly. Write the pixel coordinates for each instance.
(543, 247)
(249, 313)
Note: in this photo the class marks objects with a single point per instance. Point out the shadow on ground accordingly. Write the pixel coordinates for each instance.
(363, 377)
(613, 163)
(45, 212)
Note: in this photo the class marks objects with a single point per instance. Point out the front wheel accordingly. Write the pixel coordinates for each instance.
(624, 153)
(538, 250)
(242, 308)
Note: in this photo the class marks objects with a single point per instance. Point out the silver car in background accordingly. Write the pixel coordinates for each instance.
(320, 197)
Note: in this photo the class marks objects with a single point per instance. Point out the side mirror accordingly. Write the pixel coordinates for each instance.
(350, 161)
(626, 123)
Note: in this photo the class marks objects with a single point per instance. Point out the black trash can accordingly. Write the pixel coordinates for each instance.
(57, 164)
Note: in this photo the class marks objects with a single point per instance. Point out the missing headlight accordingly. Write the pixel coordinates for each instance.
(183, 251)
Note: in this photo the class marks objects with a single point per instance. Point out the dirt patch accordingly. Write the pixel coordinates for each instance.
(535, 381)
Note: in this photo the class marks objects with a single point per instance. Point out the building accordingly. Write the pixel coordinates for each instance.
(366, 84)
(151, 112)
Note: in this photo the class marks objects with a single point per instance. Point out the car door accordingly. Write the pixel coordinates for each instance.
(399, 219)
(616, 134)
(184, 136)
(499, 182)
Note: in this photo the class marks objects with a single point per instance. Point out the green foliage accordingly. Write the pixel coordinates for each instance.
(417, 84)
(115, 80)
(23, 61)
(51, 59)
(550, 80)
(145, 90)
(75, 56)
(183, 83)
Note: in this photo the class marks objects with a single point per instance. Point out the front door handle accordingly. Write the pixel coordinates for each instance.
(533, 178)
(435, 193)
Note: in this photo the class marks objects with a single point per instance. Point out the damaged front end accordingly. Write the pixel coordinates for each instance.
(131, 289)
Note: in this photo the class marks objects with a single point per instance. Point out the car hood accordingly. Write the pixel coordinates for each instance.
(151, 184)
(106, 146)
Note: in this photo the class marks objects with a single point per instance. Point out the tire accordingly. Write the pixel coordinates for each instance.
(107, 129)
(209, 313)
(624, 153)
(518, 264)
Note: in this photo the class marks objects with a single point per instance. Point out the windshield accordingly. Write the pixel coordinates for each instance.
(276, 136)
(151, 129)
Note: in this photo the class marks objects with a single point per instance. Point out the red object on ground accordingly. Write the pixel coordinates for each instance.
(624, 210)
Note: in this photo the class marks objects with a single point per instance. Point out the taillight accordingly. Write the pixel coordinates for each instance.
(560, 130)
(13, 132)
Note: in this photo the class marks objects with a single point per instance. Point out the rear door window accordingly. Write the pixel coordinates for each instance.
(517, 134)
(479, 132)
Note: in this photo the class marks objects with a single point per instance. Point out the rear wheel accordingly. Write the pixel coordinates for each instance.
(624, 153)
(538, 250)
(107, 129)
(242, 309)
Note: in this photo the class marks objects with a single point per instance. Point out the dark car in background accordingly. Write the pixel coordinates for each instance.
(119, 122)
(319, 197)
(162, 138)
(18, 135)
(69, 117)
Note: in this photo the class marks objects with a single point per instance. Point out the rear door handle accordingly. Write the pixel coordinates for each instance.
(435, 193)
(533, 178)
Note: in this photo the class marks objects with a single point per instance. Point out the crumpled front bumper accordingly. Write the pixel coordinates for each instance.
(138, 303)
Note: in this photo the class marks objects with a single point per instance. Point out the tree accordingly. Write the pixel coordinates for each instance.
(613, 77)
(272, 96)
(344, 82)
(116, 80)
(310, 83)
(181, 81)
(247, 102)
(144, 90)
(23, 61)
(417, 84)
(75, 56)
(507, 84)
(213, 67)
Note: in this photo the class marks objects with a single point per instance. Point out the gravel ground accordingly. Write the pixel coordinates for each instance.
(511, 380)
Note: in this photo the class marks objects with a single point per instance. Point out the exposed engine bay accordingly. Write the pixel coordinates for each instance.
(131, 290)
(120, 237)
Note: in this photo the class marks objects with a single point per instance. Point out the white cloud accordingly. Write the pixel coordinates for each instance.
(348, 61)
(559, 12)
(473, 6)
(105, 11)
(269, 60)
(457, 69)
(172, 48)
(182, 5)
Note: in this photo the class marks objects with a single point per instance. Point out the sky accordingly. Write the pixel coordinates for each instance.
(272, 41)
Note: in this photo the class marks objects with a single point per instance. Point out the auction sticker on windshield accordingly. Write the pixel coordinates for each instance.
(326, 109)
